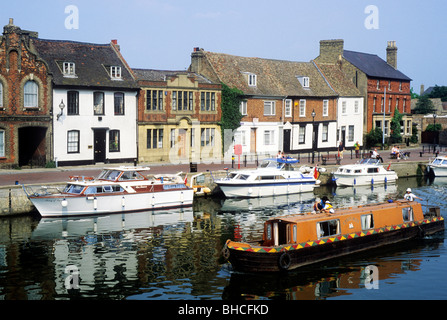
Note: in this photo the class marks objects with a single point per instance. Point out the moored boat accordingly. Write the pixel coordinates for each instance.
(368, 171)
(438, 166)
(121, 189)
(273, 177)
(293, 241)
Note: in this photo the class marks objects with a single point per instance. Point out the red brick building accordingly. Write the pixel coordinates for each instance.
(25, 101)
(383, 86)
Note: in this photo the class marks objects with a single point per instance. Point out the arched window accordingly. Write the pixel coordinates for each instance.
(30, 93)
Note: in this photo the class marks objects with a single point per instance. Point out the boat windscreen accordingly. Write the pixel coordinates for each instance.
(73, 188)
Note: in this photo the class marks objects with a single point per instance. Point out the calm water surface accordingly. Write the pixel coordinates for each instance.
(176, 254)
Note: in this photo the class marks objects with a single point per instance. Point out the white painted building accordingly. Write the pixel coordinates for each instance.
(94, 102)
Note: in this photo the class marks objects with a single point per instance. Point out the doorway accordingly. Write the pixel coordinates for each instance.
(99, 147)
(32, 146)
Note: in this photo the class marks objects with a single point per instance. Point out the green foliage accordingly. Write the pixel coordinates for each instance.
(231, 116)
(434, 127)
(374, 137)
(424, 105)
(395, 136)
(414, 135)
(439, 92)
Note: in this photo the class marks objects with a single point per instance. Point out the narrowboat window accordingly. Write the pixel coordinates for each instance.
(269, 231)
(328, 228)
(367, 221)
(294, 233)
(407, 214)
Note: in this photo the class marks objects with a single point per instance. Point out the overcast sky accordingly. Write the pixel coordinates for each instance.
(161, 34)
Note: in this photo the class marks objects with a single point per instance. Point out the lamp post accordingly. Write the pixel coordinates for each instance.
(313, 114)
(434, 132)
(61, 106)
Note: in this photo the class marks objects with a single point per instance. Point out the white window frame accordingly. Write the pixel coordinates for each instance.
(288, 108)
(252, 80)
(69, 69)
(243, 107)
(1, 94)
(356, 106)
(269, 137)
(343, 107)
(302, 107)
(325, 108)
(31, 94)
(115, 73)
(2, 143)
(304, 81)
(270, 107)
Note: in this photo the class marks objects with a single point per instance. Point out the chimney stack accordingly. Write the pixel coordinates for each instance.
(391, 54)
(331, 51)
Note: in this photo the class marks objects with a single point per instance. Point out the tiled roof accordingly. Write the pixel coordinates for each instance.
(373, 65)
(162, 75)
(92, 63)
(273, 77)
(338, 81)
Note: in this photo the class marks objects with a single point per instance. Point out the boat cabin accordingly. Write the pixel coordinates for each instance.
(296, 229)
(287, 164)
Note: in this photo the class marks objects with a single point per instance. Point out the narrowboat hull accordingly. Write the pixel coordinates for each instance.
(72, 205)
(256, 258)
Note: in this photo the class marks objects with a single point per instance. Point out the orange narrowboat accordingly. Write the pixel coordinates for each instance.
(293, 241)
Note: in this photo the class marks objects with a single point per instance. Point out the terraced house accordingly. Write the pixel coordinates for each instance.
(287, 105)
(382, 85)
(178, 117)
(25, 101)
(94, 103)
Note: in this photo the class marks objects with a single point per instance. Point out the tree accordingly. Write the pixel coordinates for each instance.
(439, 92)
(374, 137)
(395, 136)
(424, 105)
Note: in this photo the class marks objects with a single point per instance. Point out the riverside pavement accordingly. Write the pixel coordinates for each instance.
(11, 177)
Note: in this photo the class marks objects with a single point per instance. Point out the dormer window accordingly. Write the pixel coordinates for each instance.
(68, 69)
(115, 72)
(304, 81)
(252, 80)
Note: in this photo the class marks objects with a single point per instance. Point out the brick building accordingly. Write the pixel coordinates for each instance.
(382, 85)
(286, 106)
(25, 101)
(178, 117)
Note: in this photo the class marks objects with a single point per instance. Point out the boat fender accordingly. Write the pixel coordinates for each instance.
(64, 203)
(284, 261)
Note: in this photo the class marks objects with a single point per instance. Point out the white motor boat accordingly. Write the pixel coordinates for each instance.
(366, 172)
(121, 189)
(438, 166)
(273, 177)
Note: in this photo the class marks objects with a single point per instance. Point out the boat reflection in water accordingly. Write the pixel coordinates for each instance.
(126, 223)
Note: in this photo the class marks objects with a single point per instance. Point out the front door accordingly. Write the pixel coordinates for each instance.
(99, 137)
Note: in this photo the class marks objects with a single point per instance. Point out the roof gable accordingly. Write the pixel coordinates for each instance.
(373, 65)
(93, 63)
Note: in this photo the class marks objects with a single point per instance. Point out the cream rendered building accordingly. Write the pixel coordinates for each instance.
(178, 117)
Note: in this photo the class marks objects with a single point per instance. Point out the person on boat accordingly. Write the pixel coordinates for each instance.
(279, 156)
(328, 208)
(318, 206)
(410, 196)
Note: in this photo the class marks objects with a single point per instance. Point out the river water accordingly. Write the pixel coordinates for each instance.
(176, 255)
